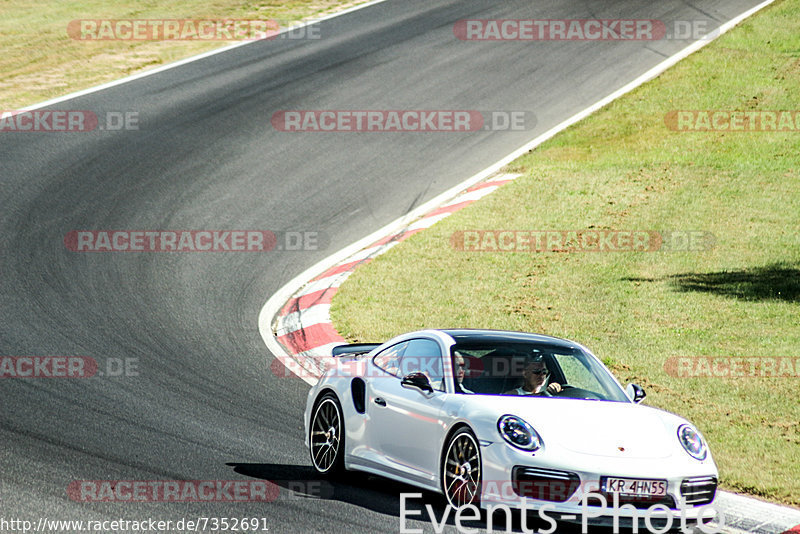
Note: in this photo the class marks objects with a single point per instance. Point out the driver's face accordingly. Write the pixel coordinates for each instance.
(535, 373)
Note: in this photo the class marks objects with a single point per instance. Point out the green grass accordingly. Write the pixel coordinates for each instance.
(624, 169)
(40, 61)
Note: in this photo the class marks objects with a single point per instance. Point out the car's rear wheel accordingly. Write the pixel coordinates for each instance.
(327, 436)
(461, 469)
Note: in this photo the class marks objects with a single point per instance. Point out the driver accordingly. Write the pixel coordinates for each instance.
(535, 377)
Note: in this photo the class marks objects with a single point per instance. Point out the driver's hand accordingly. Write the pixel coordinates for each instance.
(554, 388)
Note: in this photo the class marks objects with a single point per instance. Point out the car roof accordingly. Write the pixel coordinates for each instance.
(468, 335)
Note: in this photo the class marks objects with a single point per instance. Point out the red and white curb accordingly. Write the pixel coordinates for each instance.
(745, 514)
(303, 325)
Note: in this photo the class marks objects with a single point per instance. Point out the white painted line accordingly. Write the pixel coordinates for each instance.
(139, 75)
(646, 77)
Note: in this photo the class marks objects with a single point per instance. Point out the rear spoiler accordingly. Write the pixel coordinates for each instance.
(353, 349)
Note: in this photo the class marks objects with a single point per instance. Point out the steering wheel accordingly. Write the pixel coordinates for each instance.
(571, 392)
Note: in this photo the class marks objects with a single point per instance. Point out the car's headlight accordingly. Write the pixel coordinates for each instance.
(518, 433)
(693, 442)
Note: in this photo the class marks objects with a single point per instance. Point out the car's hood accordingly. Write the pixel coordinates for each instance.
(615, 429)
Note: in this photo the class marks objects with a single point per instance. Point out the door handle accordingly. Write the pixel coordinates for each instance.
(379, 401)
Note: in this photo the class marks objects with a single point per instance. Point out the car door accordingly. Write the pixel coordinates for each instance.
(405, 423)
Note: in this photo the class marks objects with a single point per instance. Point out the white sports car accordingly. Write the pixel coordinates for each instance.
(506, 418)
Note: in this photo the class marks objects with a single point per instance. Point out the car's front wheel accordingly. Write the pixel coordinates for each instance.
(461, 469)
(327, 436)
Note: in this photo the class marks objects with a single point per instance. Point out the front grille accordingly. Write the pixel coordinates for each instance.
(638, 501)
(544, 484)
(699, 490)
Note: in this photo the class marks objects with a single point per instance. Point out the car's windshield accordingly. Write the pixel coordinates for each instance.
(529, 368)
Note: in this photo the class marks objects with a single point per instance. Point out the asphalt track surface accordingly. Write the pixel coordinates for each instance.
(204, 405)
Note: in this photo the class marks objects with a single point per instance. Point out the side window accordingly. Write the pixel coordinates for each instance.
(424, 356)
(576, 373)
(389, 359)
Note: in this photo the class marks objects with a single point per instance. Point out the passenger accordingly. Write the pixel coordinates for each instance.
(460, 372)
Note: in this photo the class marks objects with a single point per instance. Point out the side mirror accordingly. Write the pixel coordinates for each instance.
(417, 381)
(635, 393)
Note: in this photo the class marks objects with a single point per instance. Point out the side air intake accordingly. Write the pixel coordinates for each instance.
(359, 390)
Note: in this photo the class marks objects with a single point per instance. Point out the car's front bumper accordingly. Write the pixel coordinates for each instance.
(575, 491)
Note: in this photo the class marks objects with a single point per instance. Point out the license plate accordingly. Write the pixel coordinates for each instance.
(636, 486)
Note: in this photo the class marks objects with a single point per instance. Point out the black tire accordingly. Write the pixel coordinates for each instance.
(462, 469)
(326, 436)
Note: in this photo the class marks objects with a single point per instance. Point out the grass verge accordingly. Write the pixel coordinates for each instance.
(41, 61)
(624, 169)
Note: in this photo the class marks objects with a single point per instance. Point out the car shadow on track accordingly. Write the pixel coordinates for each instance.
(372, 492)
(382, 495)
